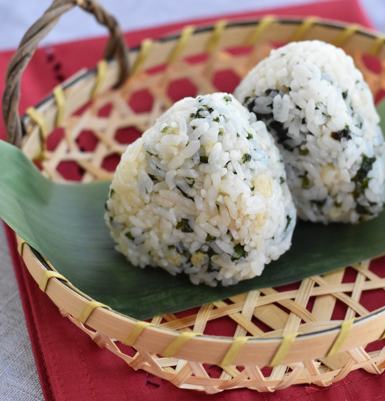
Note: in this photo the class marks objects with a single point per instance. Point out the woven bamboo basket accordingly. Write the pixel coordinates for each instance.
(298, 343)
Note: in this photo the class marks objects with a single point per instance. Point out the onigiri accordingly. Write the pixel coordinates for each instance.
(321, 113)
(203, 192)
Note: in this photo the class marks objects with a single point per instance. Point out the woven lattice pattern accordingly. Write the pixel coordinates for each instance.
(267, 313)
(89, 145)
(95, 139)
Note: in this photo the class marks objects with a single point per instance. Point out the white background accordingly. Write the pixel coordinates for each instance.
(18, 376)
(17, 15)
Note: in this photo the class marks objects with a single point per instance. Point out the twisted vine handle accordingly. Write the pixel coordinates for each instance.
(115, 47)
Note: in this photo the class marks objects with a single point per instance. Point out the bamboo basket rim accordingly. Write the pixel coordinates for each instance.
(57, 282)
(42, 266)
(357, 321)
(84, 74)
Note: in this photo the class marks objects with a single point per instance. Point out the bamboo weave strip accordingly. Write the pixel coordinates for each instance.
(145, 49)
(344, 332)
(39, 119)
(377, 45)
(60, 104)
(89, 308)
(179, 342)
(219, 28)
(303, 29)
(48, 274)
(135, 332)
(346, 35)
(181, 44)
(260, 28)
(100, 77)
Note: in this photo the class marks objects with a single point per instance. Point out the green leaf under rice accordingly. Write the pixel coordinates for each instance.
(64, 222)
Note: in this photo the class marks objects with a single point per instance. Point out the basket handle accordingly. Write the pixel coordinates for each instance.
(115, 47)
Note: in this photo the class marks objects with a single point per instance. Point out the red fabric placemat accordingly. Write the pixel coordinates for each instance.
(70, 365)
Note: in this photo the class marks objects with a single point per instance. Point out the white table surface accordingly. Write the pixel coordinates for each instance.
(18, 376)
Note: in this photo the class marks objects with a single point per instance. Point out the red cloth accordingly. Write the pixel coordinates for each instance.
(70, 365)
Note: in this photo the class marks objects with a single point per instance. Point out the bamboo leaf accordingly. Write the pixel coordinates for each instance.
(64, 222)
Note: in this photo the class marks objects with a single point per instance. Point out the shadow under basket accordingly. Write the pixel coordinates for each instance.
(316, 331)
